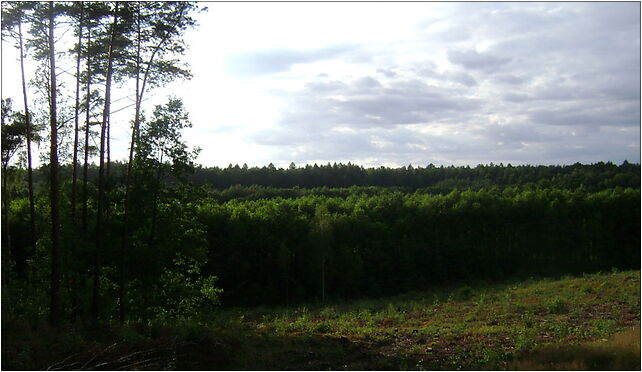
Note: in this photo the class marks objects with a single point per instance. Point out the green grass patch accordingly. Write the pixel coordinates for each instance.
(575, 322)
(620, 352)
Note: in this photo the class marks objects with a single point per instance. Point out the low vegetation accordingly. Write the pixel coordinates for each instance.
(584, 322)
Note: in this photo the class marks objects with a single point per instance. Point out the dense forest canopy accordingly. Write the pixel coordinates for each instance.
(594, 176)
(273, 245)
(437, 179)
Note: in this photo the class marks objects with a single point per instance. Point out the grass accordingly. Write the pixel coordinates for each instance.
(621, 352)
(588, 322)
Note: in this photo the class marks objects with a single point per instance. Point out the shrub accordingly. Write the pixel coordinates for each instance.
(557, 306)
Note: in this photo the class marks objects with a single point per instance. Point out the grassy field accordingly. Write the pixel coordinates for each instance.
(588, 322)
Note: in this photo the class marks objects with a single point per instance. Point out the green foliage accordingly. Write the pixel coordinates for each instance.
(587, 289)
(391, 242)
(603, 327)
(557, 306)
(285, 251)
(183, 298)
(332, 179)
(14, 129)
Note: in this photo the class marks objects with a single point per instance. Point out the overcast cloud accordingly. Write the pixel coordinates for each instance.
(550, 83)
(271, 61)
(399, 83)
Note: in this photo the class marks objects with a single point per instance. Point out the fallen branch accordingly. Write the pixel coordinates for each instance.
(99, 354)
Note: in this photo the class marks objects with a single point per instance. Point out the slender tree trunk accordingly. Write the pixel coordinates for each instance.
(32, 203)
(6, 236)
(85, 197)
(6, 245)
(55, 197)
(323, 279)
(130, 164)
(152, 230)
(108, 139)
(74, 238)
(140, 90)
(100, 236)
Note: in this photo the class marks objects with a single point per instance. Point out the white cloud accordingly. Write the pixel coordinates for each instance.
(399, 83)
(534, 83)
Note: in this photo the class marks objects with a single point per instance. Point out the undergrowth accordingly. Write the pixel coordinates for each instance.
(587, 322)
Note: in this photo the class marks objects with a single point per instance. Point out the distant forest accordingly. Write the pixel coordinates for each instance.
(431, 178)
(436, 179)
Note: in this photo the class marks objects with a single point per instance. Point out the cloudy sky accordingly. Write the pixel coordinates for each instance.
(413, 83)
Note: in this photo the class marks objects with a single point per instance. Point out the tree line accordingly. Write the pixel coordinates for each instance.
(442, 179)
(234, 182)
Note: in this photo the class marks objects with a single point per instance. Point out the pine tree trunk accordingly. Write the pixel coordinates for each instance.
(130, 164)
(32, 203)
(85, 197)
(74, 176)
(108, 139)
(55, 197)
(6, 244)
(100, 235)
(152, 230)
(5, 247)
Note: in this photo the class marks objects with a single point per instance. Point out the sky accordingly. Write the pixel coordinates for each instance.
(408, 83)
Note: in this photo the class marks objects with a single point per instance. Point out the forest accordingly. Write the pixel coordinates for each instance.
(157, 237)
